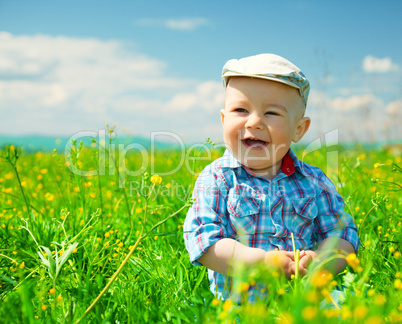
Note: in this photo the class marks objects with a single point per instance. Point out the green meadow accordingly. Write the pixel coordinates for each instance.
(106, 245)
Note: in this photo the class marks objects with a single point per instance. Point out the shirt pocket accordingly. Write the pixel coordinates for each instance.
(301, 220)
(243, 213)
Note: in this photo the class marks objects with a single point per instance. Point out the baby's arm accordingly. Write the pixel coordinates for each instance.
(223, 254)
(334, 244)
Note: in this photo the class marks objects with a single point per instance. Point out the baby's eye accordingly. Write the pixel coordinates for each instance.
(272, 113)
(240, 110)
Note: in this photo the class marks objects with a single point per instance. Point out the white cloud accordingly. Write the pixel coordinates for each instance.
(394, 107)
(355, 102)
(187, 24)
(363, 117)
(208, 96)
(320, 100)
(381, 65)
(60, 85)
(316, 99)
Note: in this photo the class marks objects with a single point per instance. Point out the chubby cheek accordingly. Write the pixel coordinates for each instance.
(232, 130)
(231, 139)
(281, 132)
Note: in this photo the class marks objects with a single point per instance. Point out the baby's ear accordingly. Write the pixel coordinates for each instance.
(222, 115)
(302, 126)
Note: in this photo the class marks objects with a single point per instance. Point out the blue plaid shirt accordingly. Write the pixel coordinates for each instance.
(232, 202)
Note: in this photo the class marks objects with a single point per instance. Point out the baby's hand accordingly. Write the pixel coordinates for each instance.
(306, 257)
(283, 260)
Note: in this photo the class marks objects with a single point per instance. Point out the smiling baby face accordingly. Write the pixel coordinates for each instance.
(260, 120)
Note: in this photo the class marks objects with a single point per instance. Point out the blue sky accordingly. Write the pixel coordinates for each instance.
(149, 66)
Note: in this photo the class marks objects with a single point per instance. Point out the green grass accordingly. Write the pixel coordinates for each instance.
(44, 206)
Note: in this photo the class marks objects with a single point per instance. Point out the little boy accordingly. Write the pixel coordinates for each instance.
(249, 201)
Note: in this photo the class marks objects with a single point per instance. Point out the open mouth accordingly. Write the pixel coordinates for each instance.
(254, 143)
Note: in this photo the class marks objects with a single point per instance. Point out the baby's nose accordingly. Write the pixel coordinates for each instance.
(254, 121)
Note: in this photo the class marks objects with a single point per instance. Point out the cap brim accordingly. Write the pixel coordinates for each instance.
(227, 75)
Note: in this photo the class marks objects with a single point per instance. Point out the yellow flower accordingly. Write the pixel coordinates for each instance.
(397, 254)
(360, 311)
(52, 291)
(398, 284)
(9, 176)
(75, 250)
(345, 312)
(120, 244)
(379, 299)
(309, 312)
(357, 208)
(321, 278)
(49, 196)
(329, 313)
(59, 298)
(215, 302)
(107, 234)
(227, 305)
(353, 261)
(44, 307)
(22, 265)
(244, 287)
(376, 165)
(155, 179)
(281, 291)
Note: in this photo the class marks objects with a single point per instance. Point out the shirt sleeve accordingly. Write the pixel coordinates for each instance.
(332, 220)
(206, 220)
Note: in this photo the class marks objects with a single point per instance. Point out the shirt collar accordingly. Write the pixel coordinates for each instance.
(289, 164)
